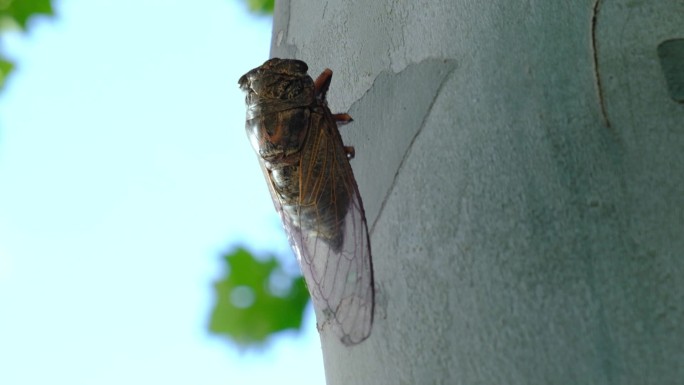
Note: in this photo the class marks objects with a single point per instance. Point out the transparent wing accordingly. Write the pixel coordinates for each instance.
(329, 234)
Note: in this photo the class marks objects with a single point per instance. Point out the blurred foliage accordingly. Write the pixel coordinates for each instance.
(256, 299)
(20, 11)
(5, 68)
(15, 14)
(260, 6)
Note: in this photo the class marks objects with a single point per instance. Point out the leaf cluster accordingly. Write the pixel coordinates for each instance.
(247, 308)
(264, 7)
(16, 14)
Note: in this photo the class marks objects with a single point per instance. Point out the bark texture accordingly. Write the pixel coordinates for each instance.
(522, 168)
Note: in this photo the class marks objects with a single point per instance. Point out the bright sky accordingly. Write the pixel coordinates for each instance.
(125, 172)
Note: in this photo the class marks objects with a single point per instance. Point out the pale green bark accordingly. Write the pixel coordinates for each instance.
(522, 164)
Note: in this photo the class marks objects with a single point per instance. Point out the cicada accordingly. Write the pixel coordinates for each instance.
(313, 188)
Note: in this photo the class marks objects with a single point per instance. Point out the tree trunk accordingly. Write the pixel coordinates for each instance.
(522, 168)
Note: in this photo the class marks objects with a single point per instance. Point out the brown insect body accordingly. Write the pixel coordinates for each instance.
(313, 188)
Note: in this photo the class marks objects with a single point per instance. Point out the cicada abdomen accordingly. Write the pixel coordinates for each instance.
(307, 169)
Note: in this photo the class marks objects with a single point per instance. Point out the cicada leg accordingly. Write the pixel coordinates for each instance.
(349, 151)
(322, 83)
(342, 118)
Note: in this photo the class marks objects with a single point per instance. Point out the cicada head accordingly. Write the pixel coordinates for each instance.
(277, 85)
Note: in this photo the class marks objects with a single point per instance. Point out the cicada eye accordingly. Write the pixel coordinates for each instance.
(285, 66)
(295, 67)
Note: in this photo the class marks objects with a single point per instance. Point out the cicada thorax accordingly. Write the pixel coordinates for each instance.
(278, 97)
(303, 171)
(277, 135)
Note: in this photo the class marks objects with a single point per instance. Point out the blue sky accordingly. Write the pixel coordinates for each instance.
(125, 172)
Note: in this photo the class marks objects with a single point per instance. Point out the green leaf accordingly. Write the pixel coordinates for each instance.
(261, 6)
(246, 310)
(6, 67)
(21, 11)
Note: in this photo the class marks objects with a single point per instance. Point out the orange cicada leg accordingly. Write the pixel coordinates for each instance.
(342, 118)
(322, 83)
